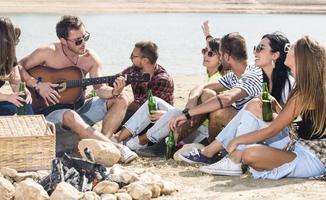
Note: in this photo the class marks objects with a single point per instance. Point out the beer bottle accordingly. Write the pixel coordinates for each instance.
(151, 102)
(267, 106)
(170, 146)
(22, 110)
(93, 93)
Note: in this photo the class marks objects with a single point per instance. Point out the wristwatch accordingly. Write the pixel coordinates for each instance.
(186, 113)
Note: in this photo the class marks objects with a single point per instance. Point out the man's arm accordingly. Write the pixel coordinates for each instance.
(103, 90)
(226, 100)
(45, 89)
(196, 92)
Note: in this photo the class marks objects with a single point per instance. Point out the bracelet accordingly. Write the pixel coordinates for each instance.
(186, 113)
(38, 80)
(220, 101)
(208, 36)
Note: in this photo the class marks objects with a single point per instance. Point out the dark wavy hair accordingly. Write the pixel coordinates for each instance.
(280, 74)
(9, 37)
(214, 45)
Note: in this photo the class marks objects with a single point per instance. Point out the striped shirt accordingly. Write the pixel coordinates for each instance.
(250, 81)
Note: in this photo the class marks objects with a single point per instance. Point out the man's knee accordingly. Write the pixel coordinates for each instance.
(121, 101)
(218, 114)
(69, 117)
(207, 94)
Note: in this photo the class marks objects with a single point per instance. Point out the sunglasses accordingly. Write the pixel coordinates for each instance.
(287, 47)
(209, 53)
(79, 41)
(258, 48)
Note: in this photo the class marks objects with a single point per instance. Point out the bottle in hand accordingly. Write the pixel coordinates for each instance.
(170, 146)
(267, 106)
(151, 102)
(22, 110)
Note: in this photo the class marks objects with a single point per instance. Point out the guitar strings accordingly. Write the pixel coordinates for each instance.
(72, 62)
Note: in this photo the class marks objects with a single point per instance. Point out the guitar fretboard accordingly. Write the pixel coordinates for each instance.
(89, 81)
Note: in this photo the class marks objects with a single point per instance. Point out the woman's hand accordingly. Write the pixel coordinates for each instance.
(28, 99)
(156, 115)
(205, 28)
(15, 98)
(177, 121)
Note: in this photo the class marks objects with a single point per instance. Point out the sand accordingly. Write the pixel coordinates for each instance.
(192, 184)
(208, 6)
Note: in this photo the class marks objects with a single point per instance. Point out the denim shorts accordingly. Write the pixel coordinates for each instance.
(306, 164)
(93, 110)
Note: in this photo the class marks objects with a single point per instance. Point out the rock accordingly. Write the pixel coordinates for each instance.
(168, 188)
(139, 192)
(149, 178)
(23, 176)
(7, 190)
(121, 175)
(29, 189)
(108, 197)
(123, 196)
(104, 153)
(154, 188)
(90, 195)
(185, 149)
(106, 187)
(8, 172)
(66, 191)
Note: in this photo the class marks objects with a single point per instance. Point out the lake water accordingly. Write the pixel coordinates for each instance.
(178, 36)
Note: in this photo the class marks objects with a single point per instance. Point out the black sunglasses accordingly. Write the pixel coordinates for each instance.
(209, 53)
(258, 48)
(79, 41)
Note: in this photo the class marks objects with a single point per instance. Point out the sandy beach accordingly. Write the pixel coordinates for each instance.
(193, 184)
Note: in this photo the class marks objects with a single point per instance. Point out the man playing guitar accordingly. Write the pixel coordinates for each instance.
(110, 105)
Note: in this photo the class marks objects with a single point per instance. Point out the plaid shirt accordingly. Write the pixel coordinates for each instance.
(161, 84)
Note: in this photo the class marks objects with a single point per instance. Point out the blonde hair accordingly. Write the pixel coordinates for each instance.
(310, 59)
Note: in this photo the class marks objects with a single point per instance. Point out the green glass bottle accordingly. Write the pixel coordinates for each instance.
(170, 146)
(22, 110)
(151, 102)
(267, 106)
(93, 93)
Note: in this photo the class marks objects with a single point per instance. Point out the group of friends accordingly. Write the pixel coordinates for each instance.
(224, 113)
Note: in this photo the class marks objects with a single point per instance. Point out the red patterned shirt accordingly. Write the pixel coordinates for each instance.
(161, 84)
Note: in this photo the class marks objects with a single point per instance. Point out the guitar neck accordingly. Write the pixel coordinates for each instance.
(89, 81)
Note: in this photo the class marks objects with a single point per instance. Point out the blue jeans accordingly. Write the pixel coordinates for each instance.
(7, 108)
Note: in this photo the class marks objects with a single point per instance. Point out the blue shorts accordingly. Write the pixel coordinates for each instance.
(93, 110)
(306, 164)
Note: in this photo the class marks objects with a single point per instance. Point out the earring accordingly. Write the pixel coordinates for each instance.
(273, 64)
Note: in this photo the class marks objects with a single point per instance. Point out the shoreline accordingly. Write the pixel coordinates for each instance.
(162, 6)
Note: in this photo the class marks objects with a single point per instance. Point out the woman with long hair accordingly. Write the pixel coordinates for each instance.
(9, 70)
(270, 56)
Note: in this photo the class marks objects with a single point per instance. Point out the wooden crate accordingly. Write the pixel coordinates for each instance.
(27, 143)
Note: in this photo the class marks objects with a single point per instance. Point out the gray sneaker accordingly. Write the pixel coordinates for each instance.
(155, 150)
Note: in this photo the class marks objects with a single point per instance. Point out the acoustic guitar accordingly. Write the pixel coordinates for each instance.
(71, 87)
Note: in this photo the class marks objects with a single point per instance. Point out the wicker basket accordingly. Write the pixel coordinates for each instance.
(26, 142)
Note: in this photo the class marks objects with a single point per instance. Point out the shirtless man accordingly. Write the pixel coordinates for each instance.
(110, 105)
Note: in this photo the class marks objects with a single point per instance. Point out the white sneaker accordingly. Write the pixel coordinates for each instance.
(133, 144)
(115, 140)
(223, 167)
(127, 155)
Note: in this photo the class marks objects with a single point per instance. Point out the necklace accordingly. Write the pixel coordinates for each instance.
(72, 62)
